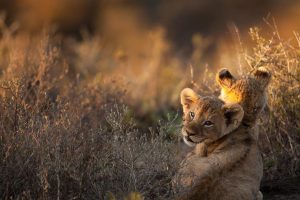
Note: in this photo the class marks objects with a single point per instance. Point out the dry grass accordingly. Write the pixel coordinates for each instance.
(75, 115)
(281, 128)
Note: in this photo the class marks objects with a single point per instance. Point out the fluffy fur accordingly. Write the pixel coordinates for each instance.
(226, 163)
(249, 92)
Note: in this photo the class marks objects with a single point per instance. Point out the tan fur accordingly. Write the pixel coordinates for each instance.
(225, 163)
(248, 91)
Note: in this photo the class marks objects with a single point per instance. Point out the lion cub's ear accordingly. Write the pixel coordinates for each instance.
(224, 78)
(233, 114)
(188, 97)
(262, 75)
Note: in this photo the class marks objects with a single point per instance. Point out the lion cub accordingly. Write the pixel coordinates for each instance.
(249, 92)
(230, 168)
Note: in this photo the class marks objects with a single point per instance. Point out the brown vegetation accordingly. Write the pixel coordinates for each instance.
(75, 115)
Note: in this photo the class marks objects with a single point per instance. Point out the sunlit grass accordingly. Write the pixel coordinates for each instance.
(83, 120)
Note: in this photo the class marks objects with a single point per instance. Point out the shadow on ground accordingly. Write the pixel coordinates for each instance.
(283, 189)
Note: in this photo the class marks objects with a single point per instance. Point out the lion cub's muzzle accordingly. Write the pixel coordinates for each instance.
(187, 140)
(191, 139)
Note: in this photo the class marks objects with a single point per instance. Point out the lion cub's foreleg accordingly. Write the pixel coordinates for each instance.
(200, 150)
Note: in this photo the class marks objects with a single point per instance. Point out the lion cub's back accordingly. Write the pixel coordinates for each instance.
(243, 182)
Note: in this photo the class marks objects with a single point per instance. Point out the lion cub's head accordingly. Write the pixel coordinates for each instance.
(249, 91)
(207, 119)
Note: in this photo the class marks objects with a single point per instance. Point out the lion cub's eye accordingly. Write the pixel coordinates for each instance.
(192, 115)
(208, 124)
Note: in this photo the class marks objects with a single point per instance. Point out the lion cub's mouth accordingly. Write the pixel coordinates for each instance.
(190, 142)
(187, 140)
(191, 139)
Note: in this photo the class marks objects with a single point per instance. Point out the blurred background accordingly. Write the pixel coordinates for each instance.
(127, 23)
(143, 41)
